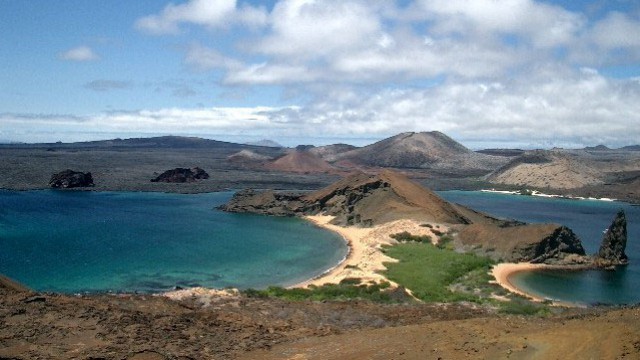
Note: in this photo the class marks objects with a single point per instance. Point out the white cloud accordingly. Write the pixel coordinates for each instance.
(480, 70)
(617, 30)
(211, 14)
(204, 58)
(80, 53)
(311, 29)
(543, 24)
(576, 108)
(271, 74)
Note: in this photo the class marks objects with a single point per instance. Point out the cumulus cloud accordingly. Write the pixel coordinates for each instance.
(578, 108)
(617, 30)
(211, 14)
(480, 70)
(80, 53)
(310, 28)
(543, 24)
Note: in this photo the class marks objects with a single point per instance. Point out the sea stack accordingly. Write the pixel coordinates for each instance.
(614, 242)
(70, 179)
(181, 175)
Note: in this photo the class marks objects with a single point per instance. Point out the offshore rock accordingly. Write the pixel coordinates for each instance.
(264, 202)
(181, 175)
(71, 179)
(614, 242)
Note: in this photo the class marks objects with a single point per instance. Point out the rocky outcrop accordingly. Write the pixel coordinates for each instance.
(264, 203)
(537, 243)
(360, 199)
(70, 179)
(181, 175)
(614, 243)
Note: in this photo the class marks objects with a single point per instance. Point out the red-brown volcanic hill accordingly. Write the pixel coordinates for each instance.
(389, 195)
(428, 150)
(300, 161)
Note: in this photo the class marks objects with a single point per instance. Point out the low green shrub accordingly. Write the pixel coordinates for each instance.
(406, 236)
(343, 291)
(430, 271)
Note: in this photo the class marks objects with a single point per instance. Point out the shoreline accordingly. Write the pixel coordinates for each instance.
(548, 196)
(365, 260)
(503, 272)
(354, 239)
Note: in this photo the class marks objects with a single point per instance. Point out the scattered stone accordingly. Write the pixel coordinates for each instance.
(71, 179)
(33, 299)
(181, 175)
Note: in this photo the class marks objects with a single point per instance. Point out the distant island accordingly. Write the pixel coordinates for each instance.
(431, 158)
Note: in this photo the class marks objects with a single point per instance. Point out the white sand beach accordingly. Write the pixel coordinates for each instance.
(365, 259)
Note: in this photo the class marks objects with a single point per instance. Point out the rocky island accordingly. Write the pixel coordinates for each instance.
(71, 179)
(368, 209)
(181, 175)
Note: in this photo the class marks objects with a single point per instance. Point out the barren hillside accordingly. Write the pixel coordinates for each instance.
(566, 169)
(428, 150)
(300, 161)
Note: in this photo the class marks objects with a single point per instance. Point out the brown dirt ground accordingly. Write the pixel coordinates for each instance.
(49, 326)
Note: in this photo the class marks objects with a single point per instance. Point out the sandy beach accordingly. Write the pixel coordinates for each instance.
(504, 271)
(365, 259)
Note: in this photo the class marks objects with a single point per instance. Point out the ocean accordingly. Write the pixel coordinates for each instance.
(74, 242)
(588, 219)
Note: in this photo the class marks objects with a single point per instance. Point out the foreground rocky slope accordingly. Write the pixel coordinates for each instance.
(208, 326)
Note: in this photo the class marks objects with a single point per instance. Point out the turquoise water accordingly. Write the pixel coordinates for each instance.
(588, 219)
(116, 241)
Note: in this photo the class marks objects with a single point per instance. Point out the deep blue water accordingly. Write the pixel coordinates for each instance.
(588, 219)
(117, 241)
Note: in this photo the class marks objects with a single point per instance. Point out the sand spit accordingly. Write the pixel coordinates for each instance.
(365, 259)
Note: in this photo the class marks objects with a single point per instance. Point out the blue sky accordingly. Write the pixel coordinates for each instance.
(489, 73)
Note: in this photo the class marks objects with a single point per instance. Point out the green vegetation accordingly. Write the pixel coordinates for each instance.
(430, 272)
(405, 236)
(445, 241)
(348, 289)
(520, 306)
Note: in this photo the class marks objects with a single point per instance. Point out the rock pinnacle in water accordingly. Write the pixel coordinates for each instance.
(614, 242)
